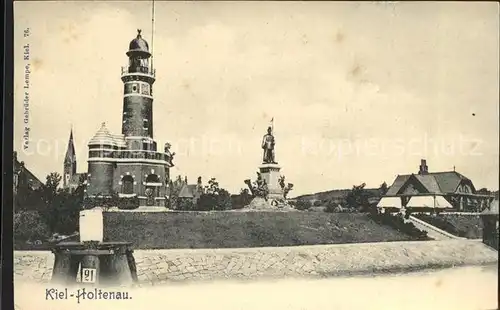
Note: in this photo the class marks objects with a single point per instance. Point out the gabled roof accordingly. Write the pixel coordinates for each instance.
(398, 183)
(32, 180)
(429, 182)
(188, 191)
(435, 182)
(448, 181)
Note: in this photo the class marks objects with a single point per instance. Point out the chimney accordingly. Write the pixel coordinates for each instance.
(423, 167)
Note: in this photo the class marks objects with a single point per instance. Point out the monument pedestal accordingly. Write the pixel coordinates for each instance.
(271, 174)
(261, 204)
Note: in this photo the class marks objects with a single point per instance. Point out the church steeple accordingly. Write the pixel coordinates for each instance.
(69, 161)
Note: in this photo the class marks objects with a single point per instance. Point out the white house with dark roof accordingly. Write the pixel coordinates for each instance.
(434, 190)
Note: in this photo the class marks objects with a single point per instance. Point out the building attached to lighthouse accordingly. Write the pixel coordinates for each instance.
(129, 164)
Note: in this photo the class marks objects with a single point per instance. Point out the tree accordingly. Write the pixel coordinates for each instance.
(29, 199)
(29, 226)
(357, 198)
(214, 198)
(53, 180)
(213, 187)
(383, 189)
(62, 208)
(242, 199)
(483, 191)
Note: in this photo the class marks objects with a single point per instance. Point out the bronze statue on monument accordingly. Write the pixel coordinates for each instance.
(269, 190)
(268, 143)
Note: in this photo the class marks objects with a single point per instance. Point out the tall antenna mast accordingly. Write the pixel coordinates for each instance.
(152, 33)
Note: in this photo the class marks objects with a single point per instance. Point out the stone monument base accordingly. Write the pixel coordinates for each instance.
(261, 204)
(271, 174)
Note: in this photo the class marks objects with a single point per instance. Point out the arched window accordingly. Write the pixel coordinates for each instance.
(127, 185)
(152, 178)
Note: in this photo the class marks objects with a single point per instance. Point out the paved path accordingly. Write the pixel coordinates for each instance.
(162, 266)
(463, 288)
(432, 231)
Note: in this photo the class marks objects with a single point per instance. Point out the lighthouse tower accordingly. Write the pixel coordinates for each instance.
(129, 164)
(138, 78)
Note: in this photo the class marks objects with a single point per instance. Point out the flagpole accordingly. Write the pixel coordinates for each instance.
(152, 32)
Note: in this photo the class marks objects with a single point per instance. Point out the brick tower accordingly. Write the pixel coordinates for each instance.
(129, 164)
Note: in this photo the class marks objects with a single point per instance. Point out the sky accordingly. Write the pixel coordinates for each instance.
(359, 92)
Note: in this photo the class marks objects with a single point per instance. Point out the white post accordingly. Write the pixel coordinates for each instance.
(91, 225)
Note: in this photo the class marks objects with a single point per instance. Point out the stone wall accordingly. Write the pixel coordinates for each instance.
(160, 266)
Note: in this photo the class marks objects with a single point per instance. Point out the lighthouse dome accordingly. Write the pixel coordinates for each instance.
(139, 44)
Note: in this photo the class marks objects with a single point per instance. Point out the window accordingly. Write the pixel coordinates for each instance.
(152, 178)
(154, 189)
(134, 62)
(145, 89)
(127, 185)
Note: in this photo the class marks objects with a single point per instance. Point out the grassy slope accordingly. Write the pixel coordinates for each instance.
(240, 230)
(470, 224)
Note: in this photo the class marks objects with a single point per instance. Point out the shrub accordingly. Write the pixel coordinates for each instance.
(317, 203)
(214, 201)
(303, 204)
(357, 198)
(333, 207)
(62, 213)
(29, 226)
(126, 203)
(399, 224)
(241, 200)
(185, 204)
